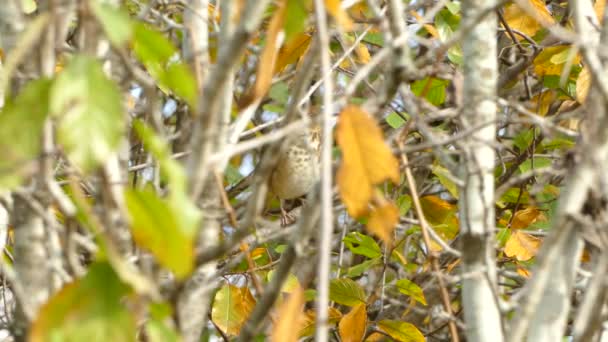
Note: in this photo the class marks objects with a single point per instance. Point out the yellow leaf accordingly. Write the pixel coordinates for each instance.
(231, 308)
(582, 85)
(334, 9)
(522, 246)
(552, 59)
(307, 326)
(382, 221)
(292, 51)
(524, 218)
(599, 7)
(436, 210)
(362, 52)
(289, 315)
(352, 325)
(519, 20)
(543, 101)
(366, 159)
(268, 59)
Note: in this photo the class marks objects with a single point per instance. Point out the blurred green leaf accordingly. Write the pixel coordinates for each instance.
(115, 22)
(161, 227)
(346, 291)
(279, 92)
(523, 139)
(536, 163)
(21, 125)
(89, 309)
(447, 22)
(395, 120)
(362, 244)
(359, 269)
(161, 59)
(295, 18)
(404, 203)
(409, 288)
(88, 105)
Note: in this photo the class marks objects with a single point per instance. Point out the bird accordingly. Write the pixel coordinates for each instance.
(297, 169)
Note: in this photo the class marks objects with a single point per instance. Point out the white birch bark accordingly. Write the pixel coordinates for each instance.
(482, 317)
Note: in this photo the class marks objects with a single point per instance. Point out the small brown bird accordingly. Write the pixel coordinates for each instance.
(297, 169)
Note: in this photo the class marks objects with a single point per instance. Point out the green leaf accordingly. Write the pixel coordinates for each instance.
(374, 38)
(295, 18)
(115, 22)
(363, 245)
(89, 309)
(161, 227)
(395, 120)
(512, 196)
(433, 89)
(445, 179)
(346, 292)
(409, 288)
(21, 125)
(536, 163)
(401, 331)
(453, 7)
(90, 114)
(279, 92)
(404, 203)
(231, 308)
(523, 139)
(447, 23)
(160, 58)
(357, 270)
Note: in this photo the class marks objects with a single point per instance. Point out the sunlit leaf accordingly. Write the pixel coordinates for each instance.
(582, 85)
(524, 218)
(289, 315)
(88, 309)
(401, 331)
(21, 123)
(382, 221)
(362, 244)
(552, 59)
(522, 246)
(90, 114)
(292, 51)
(231, 308)
(346, 292)
(366, 159)
(335, 9)
(519, 20)
(352, 325)
(115, 22)
(432, 89)
(159, 226)
(437, 210)
(409, 288)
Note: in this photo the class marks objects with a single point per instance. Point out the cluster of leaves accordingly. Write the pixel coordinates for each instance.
(384, 287)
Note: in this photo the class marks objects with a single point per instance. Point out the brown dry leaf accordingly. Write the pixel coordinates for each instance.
(582, 85)
(524, 218)
(366, 159)
(382, 221)
(599, 7)
(352, 325)
(519, 20)
(334, 8)
(522, 246)
(289, 315)
(268, 59)
(292, 51)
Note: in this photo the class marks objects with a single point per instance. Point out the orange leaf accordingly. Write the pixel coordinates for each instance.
(382, 221)
(523, 272)
(266, 63)
(289, 315)
(429, 28)
(599, 7)
(522, 246)
(582, 85)
(352, 325)
(524, 218)
(519, 20)
(334, 9)
(307, 327)
(231, 308)
(366, 159)
(292, 51)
